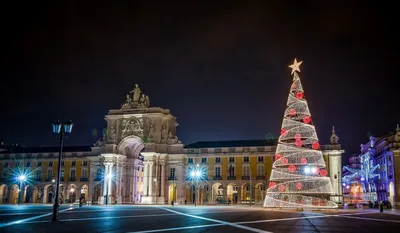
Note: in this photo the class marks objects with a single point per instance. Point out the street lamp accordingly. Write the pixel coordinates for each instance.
(195, 176)
(108, 177)
(61, 129)
(21, 180)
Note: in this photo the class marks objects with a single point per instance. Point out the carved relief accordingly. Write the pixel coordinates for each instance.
(132, 126)
(172, 139)
(164, 134)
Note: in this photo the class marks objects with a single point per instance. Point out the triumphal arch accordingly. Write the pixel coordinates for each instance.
(138, 144)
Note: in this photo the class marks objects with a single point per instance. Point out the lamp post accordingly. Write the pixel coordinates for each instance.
(108, 177)
(21, 179)
(61, 129)
(195, 176)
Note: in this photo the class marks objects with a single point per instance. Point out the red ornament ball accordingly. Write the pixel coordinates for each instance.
(284, 132)
(271, 184)
(315, 145)
(292, 112)
(303, 161)
(278, 156)
(299, 185)
(299, 95)
(323, 172)
(285, 161)
(307, 119)
(297, 136)
(298, 143)
(292, 168)
(281, 188)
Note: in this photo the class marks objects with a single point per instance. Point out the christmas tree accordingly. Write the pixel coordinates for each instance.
(299, 175)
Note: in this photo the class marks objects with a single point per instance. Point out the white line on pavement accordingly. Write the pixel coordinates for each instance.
(373, 219)
(179, 228)
(21, 213)
(31, 218)
(219, 221)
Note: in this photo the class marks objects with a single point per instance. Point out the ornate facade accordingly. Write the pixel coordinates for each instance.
(141, 160)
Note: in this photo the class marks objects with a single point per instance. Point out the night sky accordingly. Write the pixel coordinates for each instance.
(222, 69)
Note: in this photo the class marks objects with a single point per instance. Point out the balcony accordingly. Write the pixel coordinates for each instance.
(172, 178)
(217, 178)
(260, 177)
(231, 177)
(245, 177)
(84, 179)
(98, 178)
(72, 179)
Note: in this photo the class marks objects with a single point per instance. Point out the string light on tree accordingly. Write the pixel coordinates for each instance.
(298, 177)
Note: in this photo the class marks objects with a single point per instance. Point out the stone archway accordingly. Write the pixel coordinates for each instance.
(217, 193)
(3, 193)
(135, 183)
(259, 194)
(13, 195)
(172, 194)
(391, 193)
(48, 193)
(232, 194)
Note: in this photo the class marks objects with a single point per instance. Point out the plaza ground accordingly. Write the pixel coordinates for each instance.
(188, 218)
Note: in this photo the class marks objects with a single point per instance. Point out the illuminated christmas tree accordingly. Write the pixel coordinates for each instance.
(299, 175)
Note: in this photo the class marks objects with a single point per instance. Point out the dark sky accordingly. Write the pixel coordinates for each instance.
(220, 68)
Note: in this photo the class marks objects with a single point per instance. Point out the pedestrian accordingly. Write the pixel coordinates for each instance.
(172, 203)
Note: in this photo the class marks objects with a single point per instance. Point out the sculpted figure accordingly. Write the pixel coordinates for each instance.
(136, 93)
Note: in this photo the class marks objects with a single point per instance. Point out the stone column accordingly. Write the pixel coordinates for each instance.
(150, 181)
(163, 178)
(145, 179)
(135, 184)
(110, 170)
(105, 180)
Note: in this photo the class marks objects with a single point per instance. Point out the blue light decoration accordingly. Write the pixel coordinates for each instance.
(344, 184)
(362, 178)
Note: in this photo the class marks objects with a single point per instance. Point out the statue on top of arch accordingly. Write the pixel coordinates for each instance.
(138, 99)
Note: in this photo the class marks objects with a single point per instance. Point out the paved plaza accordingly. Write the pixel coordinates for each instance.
(188, 218)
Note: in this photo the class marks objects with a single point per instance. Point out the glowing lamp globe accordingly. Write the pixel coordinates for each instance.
(344, 184)
(198, 173)
(323, 172)
(362, 178)
(298, 143)
(299, 185)
(299, 95)
(307, 119)
(315, 145)
(271, 184)
(192, 174)
(292, 168)
(303, 161)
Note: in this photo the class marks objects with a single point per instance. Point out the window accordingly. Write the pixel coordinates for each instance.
(5, 164)
(246, 159)
(260, 170)
(204, 150)
(172, 173)
(190, 160)
(99, 174)
(50, 163)
(231, 159)
(203, 160)
(260, 159)
(217, 172)
(39, 164)
(260, 149)
(219, 150)
(49, 174)
(17, 164)
(62, 174)
(73, 163)
(84, 174)
(73, 174)
(246, 150)
(28, 164)
(38, 174)
(246, 171)
(85, 163)
(218, 159)
(231, 171)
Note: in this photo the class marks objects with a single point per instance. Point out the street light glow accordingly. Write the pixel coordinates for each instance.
(109, 175)
(198, 173)
(192, 174)
(22, 178)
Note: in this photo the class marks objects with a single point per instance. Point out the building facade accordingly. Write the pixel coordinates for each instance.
(141, 160)
(380, 168)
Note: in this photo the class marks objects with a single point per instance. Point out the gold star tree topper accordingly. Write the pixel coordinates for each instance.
(295, 66)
